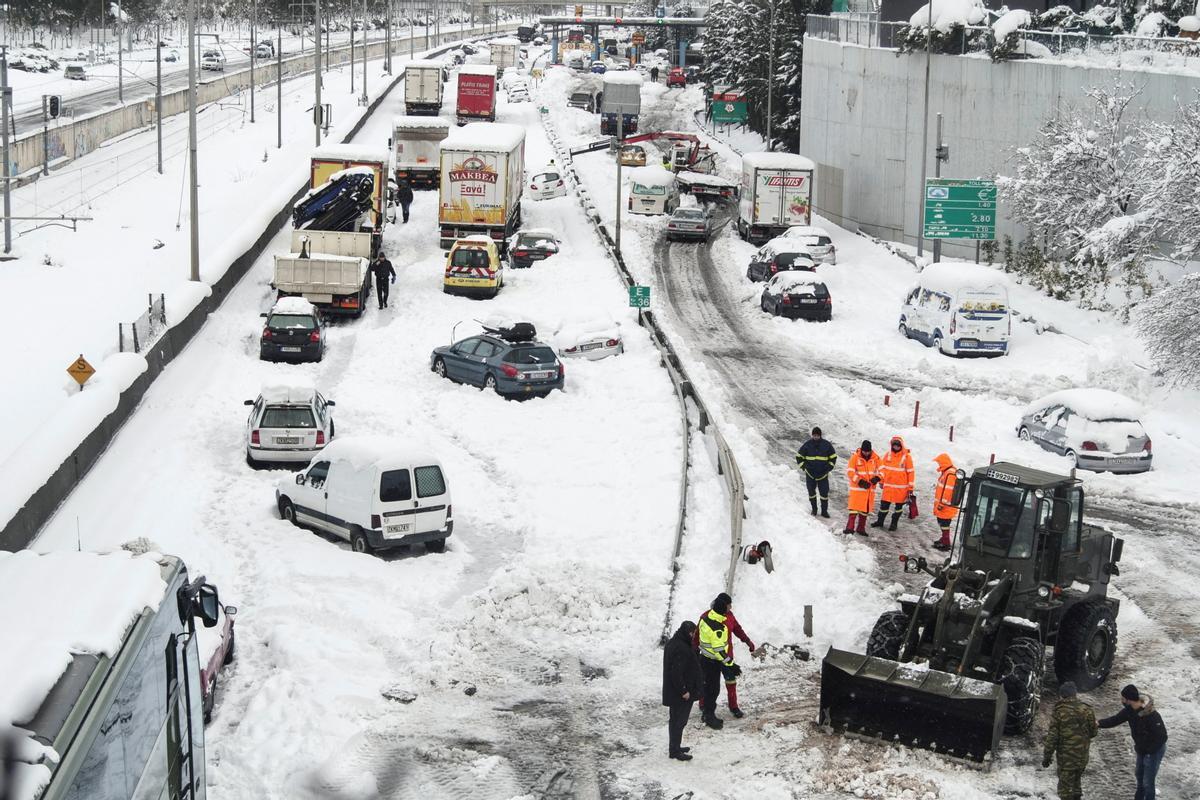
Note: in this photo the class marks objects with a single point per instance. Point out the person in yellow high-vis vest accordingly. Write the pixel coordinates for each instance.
(713, 641)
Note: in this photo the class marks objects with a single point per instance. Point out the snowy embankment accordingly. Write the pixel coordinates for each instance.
(522, 651)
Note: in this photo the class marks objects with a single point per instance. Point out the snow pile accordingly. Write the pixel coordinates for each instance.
(1094, 404)
(405, 122)
(623, 78)
(1009, 22)
(949, 13)
(295, 305)
(1190, 23)
(1152, 25)
(493, 137)
(576, 331)
(298, 390)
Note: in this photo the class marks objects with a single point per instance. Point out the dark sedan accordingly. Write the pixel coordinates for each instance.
(528, 247)
(511, 365)
(765, 265)
(293, 332)
(797, 296)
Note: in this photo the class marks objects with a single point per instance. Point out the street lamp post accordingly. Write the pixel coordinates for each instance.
(158, 91)
(317, 72)
(924, 138)
(366, 51)
(253, 54)
(194, 194)
(120, 63)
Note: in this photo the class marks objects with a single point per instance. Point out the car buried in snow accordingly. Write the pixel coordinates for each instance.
(797, 295)
(294, 331)
(812, 240)
(592, 338)
(771, 259)
(1097, 429)
(506, 359)
(531, 246)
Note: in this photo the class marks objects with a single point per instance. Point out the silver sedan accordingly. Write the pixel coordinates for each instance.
(689, 223)
(1095, 428)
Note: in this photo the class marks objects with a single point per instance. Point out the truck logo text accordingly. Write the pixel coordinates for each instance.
(473, 169)
(794, 181)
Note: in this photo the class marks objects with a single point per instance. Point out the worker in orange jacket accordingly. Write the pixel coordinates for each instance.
(863, 474)
(943, 494)
(896, 469)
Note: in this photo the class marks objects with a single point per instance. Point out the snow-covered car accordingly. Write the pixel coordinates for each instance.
(213, 61)
(75, 72)
(583, 100)
(592, 338)
(531, 246)
(1097, 429)
(375, 493)
(293, 332)
(689, 224)
(218, 646)
(797, 295)
(287, 423)
(170, 55)
(507, 359)
(959, 309)
(518, 92)
(775, 257)
(815, 241)
(547, 184)
(264, 51)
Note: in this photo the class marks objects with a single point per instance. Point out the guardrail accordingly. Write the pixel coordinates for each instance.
(685, 391)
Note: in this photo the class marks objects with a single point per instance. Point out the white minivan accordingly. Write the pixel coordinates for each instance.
(652, 190)
(960, 309)
(376, 494)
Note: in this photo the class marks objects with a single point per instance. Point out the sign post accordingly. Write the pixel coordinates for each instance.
(959, 209)
(81, 370)
(639, 296)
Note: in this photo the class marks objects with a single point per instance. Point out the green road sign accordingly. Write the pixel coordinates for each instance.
(729, 111)
(959, 209)
(639, 296)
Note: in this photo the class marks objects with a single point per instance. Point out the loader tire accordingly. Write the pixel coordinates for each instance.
(888, 635)
(1021, 670)
(1086, 644)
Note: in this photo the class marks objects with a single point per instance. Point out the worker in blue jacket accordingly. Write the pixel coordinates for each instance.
(817, 459)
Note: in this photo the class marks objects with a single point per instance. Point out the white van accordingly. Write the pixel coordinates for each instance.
(961, 309)
(376, 494)
(652, 190)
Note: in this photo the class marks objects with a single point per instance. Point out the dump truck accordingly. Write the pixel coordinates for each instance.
(482, 167)
(776, 194)
(525, 33)
(962, 662)
(331, 159)
(476, 93)
(327, 268)
(423, 88)
(415, 142)
(622, 96)
(504, 53)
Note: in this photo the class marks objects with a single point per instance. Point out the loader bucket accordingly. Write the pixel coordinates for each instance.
(911, 704)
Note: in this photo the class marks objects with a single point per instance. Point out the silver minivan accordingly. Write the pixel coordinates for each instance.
(1097, 429)
(374, 493)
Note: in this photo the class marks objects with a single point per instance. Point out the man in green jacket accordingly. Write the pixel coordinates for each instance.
(1072, 728)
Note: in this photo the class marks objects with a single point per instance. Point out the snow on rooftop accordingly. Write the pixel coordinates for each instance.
(57, 604)
(790, 280)
(948, 13)
(351, 152)
(623, 77)
(293, 305)
(803, 230)
(423, 123)
(704, 179)
(495, 137)
(651, 175)
(951, 276)
(504, 40)
(295, 391)
(1092, 403)
(381, 451)
(777, 161)
(424, 63)
(478, 69)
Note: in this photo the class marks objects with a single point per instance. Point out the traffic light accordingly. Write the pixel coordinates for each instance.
(53, 106)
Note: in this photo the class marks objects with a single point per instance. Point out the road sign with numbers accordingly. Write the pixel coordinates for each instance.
(959, 209)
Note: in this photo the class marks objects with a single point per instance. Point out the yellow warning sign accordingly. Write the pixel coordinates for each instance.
(81, 370)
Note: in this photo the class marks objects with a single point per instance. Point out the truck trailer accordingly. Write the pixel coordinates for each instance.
(331, 159)
(423, 88)
(504, 53)
(622, 96)
(415, 142)
(776, 193)
(330, 269)
(476, 93)
(482, 169)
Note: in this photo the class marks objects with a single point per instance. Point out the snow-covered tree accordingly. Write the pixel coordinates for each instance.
(1171, 173)
(1168, 322)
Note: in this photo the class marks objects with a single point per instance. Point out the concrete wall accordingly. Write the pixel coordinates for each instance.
(862, 124)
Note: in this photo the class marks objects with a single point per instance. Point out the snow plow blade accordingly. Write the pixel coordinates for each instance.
(911, 705)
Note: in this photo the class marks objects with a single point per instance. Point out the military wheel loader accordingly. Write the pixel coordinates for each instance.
(963, 661)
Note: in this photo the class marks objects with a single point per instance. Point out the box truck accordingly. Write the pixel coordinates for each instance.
(327, 268)
(776, 193)
(622, 95)
(482, 173)
(476, 93)
(330, 159)
(504, 53)
(423, 87)
(415, 142)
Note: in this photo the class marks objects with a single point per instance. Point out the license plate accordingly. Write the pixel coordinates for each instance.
(591, 346)
(290, 349)
(541, 375)
(287, 440)
(398, 528)
(808, 300)
(647, 202)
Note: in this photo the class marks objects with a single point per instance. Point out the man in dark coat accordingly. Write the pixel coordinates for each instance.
(654, 74)
(1149, 737)
(382, 269)
(404, 194)
(1072, 728)
(817, 459)
(681, 686)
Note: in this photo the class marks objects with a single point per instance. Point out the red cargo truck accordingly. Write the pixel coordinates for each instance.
(476, 93)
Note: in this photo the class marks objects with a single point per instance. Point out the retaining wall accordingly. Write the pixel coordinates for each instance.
(862, 120)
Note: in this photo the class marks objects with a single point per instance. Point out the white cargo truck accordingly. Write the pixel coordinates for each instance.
(482, 167)
(504, 53)
(327, 268)
(415, 143)
(776, 193)
(423, 88)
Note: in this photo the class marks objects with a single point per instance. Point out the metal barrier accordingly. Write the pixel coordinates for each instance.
(136, 336)
(685, 391)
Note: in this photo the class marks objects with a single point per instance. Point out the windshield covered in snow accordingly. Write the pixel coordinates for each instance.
(656, 191)
(291, 321)
(287, 417)
(1003, 520)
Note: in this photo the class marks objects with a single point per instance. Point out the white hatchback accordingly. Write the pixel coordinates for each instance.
(547, 184)
(813, 240)
(287, 424)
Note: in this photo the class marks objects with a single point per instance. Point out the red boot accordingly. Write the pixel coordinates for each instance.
(861, 530)
(849, 524)
(731, 695)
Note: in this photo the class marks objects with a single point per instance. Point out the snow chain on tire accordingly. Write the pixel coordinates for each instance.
(1021, 670)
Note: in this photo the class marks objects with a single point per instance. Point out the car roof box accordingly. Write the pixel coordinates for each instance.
(514, 332)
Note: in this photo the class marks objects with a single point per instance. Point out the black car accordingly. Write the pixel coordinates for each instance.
(506, 359)
(293, 332)
(530, 246)
(583, 100)
(796, 295)
(766, 263)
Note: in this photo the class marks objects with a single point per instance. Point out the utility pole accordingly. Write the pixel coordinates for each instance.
(942, 153)
(317, 73)
(45, 135)
(924, 139)
(366, 50)
(158, 90)
(387, 35)
(5, 102)
(771, 75)
(253, 54)
(195, 173)
(279, 88)
(412, 33)
(120, 68)
(620, 136)
(352, 50)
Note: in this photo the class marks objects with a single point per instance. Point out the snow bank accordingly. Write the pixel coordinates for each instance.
(777, 161)
(1152, 25)
(787, 281)
(948, 13)
(1009, 22)
(351, 152)
(297, 305)
(1092, 403)
(952, 276)
(1189, 23)
(622, 78)
(58, 604)
(492, 137)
